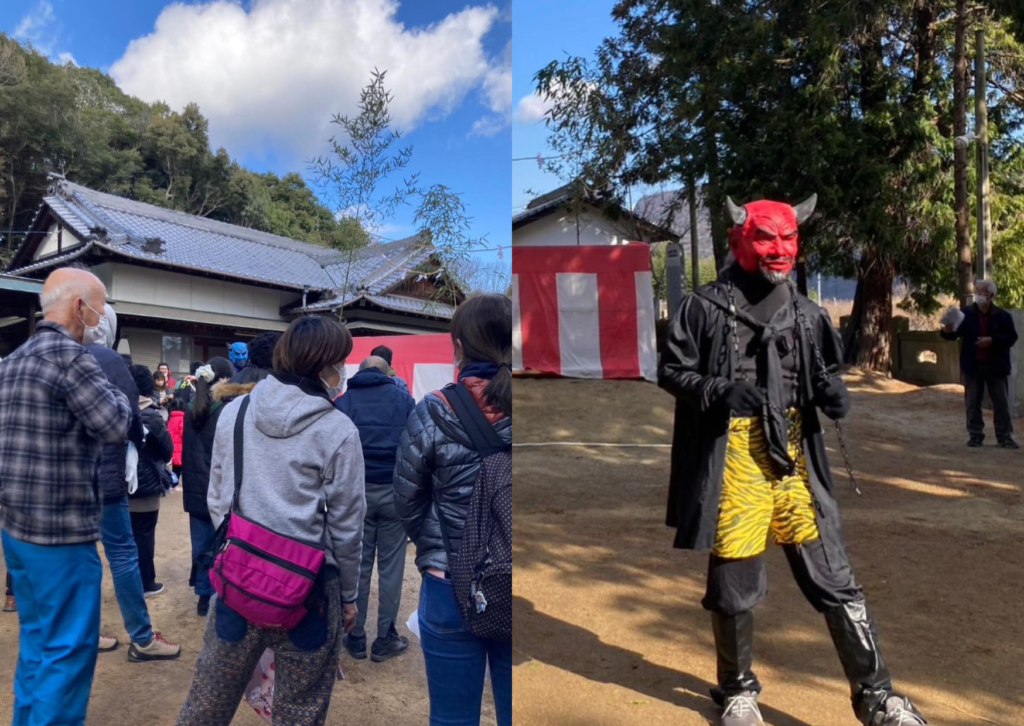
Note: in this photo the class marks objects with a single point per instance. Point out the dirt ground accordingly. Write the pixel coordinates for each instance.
(373, 694)
(608, 624)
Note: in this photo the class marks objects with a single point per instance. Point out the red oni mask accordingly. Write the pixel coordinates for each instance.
(765, 238)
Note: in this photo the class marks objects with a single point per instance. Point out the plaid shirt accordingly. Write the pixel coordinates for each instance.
(56, 409)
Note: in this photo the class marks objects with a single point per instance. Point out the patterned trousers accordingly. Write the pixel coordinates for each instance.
(756, 501)
(305, 665)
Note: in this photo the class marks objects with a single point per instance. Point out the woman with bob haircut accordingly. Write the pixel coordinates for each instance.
(303, 478)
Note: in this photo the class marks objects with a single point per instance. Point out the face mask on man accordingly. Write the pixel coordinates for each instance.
(982, 300)
(335, 391)
(91, 331)
(97, 334)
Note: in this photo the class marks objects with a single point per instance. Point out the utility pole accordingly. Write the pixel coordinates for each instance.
(694, 237)
(981, 131)
(964, 266)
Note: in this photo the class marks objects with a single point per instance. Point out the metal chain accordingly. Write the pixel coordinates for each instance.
(820, 360)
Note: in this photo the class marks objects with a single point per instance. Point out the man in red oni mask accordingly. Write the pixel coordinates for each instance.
(751, 362)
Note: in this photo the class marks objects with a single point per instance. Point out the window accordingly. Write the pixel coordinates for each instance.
(176, 352)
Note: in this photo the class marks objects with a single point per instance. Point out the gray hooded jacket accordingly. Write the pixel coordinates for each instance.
(301, 455)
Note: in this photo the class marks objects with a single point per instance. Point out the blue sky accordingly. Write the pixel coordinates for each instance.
(269, 74)
(546, 31)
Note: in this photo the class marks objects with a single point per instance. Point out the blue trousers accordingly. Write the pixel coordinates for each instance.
(58, 592)
(457, 660)
(201, 532)
(123, 558)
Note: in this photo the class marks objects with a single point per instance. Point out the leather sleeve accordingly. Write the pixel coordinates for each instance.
(681, 373)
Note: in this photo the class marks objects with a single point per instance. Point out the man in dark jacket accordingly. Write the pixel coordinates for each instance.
(382, 351)
(988, 334)
(750, 361)
(115, 525)
(380, 412)
(261, 359)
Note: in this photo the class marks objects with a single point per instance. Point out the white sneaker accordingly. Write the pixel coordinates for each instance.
(899, 711)
(742, 710)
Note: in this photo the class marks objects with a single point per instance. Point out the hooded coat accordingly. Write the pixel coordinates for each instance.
(437, 468)
(303, 471)
(112, 468)
(697, 367)
(380, 410)
(197, 448)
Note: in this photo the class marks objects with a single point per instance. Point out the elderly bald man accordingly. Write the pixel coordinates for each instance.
(56, 411)
(380, 410)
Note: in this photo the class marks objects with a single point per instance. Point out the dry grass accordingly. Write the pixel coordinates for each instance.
(918, 321)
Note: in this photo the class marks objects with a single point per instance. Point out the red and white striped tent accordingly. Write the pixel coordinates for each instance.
(584, 312)
(424, 361)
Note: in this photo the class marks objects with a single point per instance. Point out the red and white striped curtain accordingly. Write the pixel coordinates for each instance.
(424, 361)
(584, 312)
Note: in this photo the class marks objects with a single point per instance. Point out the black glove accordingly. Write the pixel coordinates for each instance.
(833, 398)
(742, 396)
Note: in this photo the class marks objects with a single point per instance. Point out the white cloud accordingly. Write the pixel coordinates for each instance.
(39, 27)
(277, 70)
(532, 108)
(497, 92)
(65, 58)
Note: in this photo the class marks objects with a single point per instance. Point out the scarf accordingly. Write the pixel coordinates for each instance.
(774, 416)
(479, 369)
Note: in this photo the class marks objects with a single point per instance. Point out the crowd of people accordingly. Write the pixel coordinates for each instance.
(90, 445)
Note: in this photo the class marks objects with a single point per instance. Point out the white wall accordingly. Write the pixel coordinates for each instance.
(130, 283)
(559, 229)
(49, 245)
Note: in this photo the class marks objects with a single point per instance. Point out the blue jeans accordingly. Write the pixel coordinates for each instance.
(58, 592)
(456, 661)
(201, 532)
(123, 558)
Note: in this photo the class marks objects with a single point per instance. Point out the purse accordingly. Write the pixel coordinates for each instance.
(264, 576)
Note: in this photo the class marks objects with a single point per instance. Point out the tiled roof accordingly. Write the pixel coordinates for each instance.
(140, 231)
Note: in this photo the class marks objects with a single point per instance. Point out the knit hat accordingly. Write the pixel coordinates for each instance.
(143, 378)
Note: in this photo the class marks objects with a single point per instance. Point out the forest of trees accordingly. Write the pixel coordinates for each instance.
(77, 122)
(853, 101)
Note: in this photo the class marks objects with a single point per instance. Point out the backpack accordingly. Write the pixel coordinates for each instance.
(263, 576)
(482, 568)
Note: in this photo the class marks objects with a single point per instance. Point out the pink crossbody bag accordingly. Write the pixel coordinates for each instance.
(263, 576)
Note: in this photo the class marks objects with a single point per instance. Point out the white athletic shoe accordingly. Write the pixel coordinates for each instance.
(742, 710)
(898, 712)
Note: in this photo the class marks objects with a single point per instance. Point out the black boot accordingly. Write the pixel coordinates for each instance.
(734, 641)
(856, 640)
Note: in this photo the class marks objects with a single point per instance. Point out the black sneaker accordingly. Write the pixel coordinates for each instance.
(355, 646)
(387, 648)
(203, 607)
(1008, 444)
(975, 442)
(153, 590)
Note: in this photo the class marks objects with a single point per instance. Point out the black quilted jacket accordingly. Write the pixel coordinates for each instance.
(437, 467)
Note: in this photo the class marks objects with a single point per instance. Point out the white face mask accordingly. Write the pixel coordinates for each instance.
(335, 391)
(97, 334)
(92, 332)
(982, 300)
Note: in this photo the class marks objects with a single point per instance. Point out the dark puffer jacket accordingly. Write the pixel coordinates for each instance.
(113, 484)
(154, 455)
(197, 449)
(437, 466)
(380, 411)
(251, 374)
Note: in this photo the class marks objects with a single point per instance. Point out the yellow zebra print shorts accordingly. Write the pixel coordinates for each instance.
(755, 501)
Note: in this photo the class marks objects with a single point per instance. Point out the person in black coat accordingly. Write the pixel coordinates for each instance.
(988, 334)
(196, 454)
(380, 410)
(116, 533)
(261, 359)
(154, 480)
(751, 362)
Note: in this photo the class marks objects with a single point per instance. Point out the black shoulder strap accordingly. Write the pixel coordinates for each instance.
(239, 429)
(481, 433)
